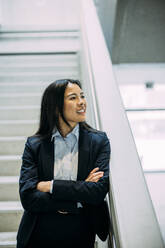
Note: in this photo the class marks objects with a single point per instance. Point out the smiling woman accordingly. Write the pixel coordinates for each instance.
(64, 175)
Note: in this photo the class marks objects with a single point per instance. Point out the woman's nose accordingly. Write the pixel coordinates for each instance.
(80, 102)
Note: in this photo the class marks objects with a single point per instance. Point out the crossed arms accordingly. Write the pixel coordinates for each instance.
(35, 196)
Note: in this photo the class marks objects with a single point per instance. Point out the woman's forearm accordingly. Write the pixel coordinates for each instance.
(81, 191)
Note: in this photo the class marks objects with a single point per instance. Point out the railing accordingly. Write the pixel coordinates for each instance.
(133, 216)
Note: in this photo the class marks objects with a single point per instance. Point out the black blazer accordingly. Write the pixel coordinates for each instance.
(38, 165)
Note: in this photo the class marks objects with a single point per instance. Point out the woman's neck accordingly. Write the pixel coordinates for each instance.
(64, 128)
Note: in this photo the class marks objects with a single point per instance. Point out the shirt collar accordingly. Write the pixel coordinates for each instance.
(74, 132)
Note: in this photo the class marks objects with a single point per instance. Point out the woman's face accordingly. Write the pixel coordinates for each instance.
(74, 104)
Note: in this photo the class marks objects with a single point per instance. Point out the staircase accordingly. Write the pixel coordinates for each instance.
(29, 61)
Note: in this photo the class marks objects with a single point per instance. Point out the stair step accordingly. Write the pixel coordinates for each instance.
(37, 76)
(22, 87)
(8, 239)
(35, 28)
(20, 112)
(10, 215)
(52, 34)
(12, 145)
(16, 95)
(31, 68)
(18, 127)
(10, 165)
(37, 59)
(9, 189)
(37, 64)
(40, 45)
(20, 99)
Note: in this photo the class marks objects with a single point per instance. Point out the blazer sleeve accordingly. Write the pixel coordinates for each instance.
(32, 199)
(87, 192)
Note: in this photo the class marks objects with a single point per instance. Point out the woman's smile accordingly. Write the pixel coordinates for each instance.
(81, 111)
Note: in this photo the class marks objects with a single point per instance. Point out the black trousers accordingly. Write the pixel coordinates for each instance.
(62, 231)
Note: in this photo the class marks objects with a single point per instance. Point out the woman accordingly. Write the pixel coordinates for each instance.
(64, 175)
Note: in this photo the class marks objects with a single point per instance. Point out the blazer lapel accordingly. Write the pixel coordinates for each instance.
(47, 156)
(84, 154)
(47, 159)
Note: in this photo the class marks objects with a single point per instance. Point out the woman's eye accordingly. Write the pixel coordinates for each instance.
(73, 98)
(82, 96)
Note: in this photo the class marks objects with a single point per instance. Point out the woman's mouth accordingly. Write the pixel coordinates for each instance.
(81, 111)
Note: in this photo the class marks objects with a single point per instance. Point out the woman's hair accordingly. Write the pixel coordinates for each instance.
(52, 105)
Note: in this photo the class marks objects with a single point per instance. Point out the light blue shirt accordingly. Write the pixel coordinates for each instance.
(66, 155)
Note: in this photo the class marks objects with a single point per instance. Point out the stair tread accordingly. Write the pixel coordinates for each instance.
(31, 73)
(11, 122)
(14, 95)
(7, 238)
(8, 244)
(31, 83)
(9, 179)
(20, 107)
(9, 157)
(44, 34)
(13, 138)
(10, 206)
(37, 65)
(54, 58)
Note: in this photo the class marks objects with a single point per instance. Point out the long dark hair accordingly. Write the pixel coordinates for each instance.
(52, 104)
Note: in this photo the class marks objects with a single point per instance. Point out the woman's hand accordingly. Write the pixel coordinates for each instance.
(44, 186)
(94, 175)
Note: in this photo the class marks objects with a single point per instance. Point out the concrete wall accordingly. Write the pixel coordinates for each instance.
(107, 11)
(39, 12)
(139, 33)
